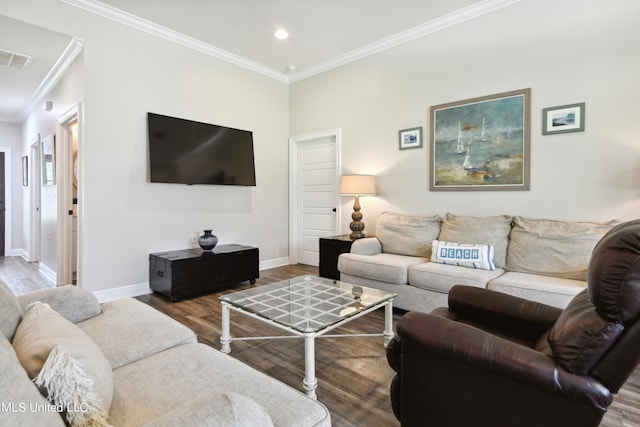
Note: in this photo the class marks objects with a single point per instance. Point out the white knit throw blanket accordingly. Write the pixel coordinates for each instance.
(69, 387)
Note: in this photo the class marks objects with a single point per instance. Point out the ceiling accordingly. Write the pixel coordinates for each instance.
(323, 34)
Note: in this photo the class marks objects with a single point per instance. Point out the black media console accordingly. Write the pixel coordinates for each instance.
(188, 272)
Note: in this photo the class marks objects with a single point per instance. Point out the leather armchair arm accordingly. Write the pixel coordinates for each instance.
(512, 316)
(425, 336)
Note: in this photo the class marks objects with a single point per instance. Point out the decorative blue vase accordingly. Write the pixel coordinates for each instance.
(207, 241)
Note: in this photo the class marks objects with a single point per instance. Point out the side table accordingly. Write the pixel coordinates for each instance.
(330, 249)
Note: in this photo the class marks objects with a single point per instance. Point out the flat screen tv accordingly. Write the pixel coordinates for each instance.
(187, 152)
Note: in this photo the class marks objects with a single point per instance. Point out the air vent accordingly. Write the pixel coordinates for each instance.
(14, 60)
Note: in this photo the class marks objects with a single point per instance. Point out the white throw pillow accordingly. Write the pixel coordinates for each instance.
(463, 254)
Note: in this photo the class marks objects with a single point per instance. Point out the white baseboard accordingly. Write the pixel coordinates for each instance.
(124, 291)
(143, 288)
(48, 273)
(21, 253)
(272, 263)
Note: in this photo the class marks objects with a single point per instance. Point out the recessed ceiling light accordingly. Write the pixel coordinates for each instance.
(281, 34)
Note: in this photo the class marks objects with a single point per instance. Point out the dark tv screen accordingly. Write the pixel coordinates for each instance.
(187, 152)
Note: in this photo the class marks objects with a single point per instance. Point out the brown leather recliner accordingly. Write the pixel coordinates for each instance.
(491, 359)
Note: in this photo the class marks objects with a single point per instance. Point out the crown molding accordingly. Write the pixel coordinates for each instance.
(149, 27)
(470, 12)
(451, 19)
(68, 56)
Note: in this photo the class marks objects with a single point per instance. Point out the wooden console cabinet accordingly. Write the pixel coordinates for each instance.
(187, 272)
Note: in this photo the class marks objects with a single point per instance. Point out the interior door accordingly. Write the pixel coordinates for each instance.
(317, 196)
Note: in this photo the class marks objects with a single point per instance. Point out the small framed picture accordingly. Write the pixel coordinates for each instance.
(25, 171)
(411, 138)
(563, 119)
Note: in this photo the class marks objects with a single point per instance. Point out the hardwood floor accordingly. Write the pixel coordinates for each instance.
(22, 276)
(353, 374)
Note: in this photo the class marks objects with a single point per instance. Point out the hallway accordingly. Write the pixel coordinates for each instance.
(22, 276)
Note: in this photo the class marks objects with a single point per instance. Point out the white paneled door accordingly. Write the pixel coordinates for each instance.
(317, 195)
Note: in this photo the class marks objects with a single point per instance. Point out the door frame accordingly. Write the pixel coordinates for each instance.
(8, 243)
(34, 205)
(295, 144)
(65, 194)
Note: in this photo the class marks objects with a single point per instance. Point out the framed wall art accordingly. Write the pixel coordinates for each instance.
(563, 119)
(410, 138)
(25, 171)
(481, 143)
(49, 160)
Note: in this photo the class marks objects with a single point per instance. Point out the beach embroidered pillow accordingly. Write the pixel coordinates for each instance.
(463, 254)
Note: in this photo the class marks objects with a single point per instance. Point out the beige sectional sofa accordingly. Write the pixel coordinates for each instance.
(538, 259)
(124, 363)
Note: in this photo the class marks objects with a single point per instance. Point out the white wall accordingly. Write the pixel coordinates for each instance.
(122, 216)
(566, 52)
(67, 93)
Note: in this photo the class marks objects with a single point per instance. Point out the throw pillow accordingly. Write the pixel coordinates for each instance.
(490, 230)
(554, 248)
(407, 235)
(70, 389)
(463, 254)
(71, 302)
(42, 330)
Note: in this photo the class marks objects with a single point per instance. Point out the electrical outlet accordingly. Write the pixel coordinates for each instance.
(194, 239)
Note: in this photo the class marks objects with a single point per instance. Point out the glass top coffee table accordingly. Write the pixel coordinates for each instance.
(306, 307)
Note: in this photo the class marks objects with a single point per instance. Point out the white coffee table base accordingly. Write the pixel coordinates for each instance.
(310, 382)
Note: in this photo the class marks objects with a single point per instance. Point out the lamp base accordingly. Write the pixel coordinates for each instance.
(356, 226)
(356, 235)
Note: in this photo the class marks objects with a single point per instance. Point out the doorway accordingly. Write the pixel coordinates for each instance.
(314, 204)
(68, 188)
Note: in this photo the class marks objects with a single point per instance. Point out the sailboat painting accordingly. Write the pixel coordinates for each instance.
(481, 143)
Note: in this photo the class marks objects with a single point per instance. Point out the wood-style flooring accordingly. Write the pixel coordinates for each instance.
(353, 374)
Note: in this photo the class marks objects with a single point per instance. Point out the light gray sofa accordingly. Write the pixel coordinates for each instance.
(124, 363)
(538, 259)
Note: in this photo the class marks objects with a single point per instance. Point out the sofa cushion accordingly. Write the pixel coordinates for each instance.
(384, 267)
(141, 331)
(10, 311)
(553, 248)
(216, 410)
(71, 302)
(183, 374)
(463, 254)
(42, 329)
(441, 277)
(20, 395)
(407, 235)
(552, 291)
(491, 230)
(580, 336)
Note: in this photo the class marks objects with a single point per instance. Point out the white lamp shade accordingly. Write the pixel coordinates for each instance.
(357, 185)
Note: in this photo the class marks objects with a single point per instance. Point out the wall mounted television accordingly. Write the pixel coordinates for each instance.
(188, 152)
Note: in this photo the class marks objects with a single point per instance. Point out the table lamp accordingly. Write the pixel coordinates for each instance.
(357, 185)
